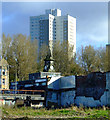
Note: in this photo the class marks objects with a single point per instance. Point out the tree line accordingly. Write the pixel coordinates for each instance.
(22, 56)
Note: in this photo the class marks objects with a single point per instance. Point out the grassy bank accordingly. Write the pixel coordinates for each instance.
(72, 112)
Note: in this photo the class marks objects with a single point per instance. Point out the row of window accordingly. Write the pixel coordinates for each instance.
(41, 84)
(42, 33)
(35, 28)
(41, 37)
(34, 22)
(65, 28)
(3, 81)
(40, 20)
(65, 34)
(4, 72)
(51, 33)
(42, 26)
(65, 24)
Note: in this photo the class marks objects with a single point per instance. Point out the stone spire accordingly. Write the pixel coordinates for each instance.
(48, 67)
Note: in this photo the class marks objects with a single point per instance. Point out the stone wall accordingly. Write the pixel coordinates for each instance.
(61, 91)
(91, 91)
(90, 102)
(67, 98)
(92, 85)
(53, 99)
(108, 87)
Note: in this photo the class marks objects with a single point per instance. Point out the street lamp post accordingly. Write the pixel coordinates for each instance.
(16, 78)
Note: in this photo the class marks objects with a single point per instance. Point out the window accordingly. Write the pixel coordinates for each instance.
(33, 75)
(3, 81)
(3, 71)
(37, 84)
(43, 84)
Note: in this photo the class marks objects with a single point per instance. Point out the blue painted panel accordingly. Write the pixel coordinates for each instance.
(56, 84)
(67, 82)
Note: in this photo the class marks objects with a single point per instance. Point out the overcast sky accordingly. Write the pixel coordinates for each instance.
(91, 17)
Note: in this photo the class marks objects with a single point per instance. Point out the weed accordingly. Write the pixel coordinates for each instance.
(71, 112)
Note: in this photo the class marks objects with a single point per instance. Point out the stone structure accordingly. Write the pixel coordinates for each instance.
(48, 67)
(61, 91)
(37, 75)
(4, 74)
(92, 90)
(108, 88)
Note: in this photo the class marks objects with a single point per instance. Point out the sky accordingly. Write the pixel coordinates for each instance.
(91, 19)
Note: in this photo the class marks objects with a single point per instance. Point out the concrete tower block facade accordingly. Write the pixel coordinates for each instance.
(52, 27)
(4, 74)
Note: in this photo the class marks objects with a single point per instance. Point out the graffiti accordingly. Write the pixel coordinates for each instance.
(92, 85)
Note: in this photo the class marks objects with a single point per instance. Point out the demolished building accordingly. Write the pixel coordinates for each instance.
(92, 90)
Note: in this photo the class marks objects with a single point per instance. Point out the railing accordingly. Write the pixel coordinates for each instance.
(32, 92)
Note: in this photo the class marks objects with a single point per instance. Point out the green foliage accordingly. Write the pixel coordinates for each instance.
(108, 57)
(64, 63)
(72, 112)
(87, 59)
(21, 55)
(92, 60)
(42, 55)
(61, 57)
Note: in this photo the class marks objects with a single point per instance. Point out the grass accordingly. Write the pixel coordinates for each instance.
(72, 112)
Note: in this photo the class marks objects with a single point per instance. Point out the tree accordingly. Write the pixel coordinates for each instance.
(92, 60)
(62, 53)
(87, 59)
(6, 43)
(42, 55)
(108, 57)
(21, 55)
(0, 50)
(101, 59)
